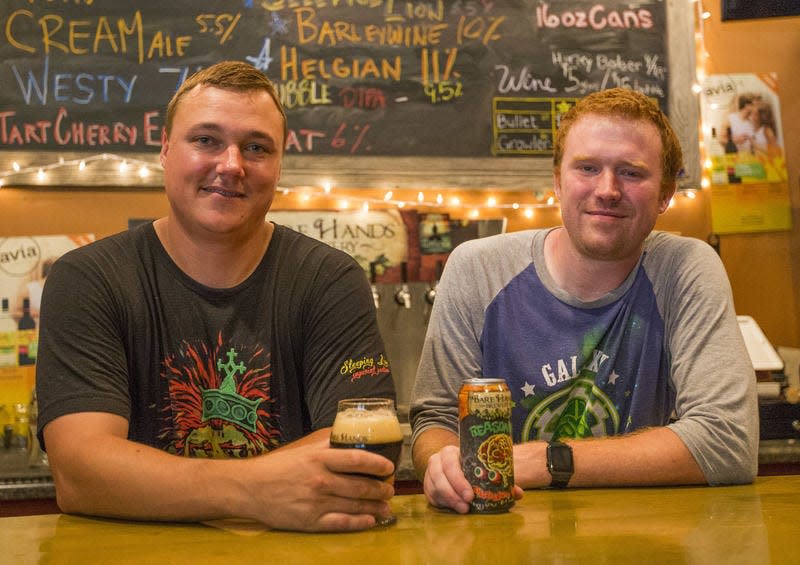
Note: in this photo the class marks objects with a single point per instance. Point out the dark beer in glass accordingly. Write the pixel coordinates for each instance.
(371, 424)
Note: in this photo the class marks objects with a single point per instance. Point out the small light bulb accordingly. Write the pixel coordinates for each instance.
(388, 195)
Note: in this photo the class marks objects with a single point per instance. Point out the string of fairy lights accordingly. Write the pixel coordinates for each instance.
(701, 62)
(344, 199)
(424, 199)
(42, 172)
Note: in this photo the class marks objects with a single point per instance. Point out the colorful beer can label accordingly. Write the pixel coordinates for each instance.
(487, 449)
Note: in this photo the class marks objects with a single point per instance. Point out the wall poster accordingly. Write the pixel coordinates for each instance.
(384, 240)
(744, 150)
(24, 266)
(369, 237)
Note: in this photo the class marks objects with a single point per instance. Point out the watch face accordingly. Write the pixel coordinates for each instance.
(560, 457)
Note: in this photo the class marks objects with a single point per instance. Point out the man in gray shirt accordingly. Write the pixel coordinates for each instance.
(620, 345)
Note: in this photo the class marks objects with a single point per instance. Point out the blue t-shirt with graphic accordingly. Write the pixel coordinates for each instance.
(582, 382)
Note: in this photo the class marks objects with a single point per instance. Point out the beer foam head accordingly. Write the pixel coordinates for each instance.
(366, 426)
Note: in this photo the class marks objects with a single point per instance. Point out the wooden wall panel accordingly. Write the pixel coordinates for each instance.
(765, 268)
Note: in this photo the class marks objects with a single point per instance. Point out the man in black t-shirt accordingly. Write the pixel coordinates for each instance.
(190, 368)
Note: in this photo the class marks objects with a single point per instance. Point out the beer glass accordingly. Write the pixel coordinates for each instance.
(371, 424)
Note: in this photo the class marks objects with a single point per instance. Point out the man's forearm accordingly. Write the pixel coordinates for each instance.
(102, 481)
(656, 456)
(302, 486)
(103, 473)
(429, 442)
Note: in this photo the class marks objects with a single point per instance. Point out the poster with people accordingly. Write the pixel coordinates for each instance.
(742, 129)
(24, 265)
(744, 153)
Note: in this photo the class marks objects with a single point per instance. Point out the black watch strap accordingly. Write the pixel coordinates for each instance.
(559, 463)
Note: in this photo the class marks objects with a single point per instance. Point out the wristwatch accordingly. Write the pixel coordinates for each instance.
(559, 463)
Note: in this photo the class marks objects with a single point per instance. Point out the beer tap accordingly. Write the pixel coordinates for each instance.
(372, 277)
(403, 295)
(430, 294)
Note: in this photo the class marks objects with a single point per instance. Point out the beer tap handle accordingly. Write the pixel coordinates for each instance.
(430, 294)
(376, 297)
(403, 295)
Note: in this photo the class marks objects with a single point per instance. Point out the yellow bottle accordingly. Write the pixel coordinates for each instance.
(8, 337)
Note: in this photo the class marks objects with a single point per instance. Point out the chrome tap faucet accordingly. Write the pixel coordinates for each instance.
(430, 294)
(376, 297)
(403, 295)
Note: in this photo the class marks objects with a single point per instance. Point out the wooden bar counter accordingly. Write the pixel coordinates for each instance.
(758, 523)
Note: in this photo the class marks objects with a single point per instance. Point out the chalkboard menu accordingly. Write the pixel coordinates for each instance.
(359, 78)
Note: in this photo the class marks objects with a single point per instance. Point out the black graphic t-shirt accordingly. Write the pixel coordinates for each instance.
(208, 372)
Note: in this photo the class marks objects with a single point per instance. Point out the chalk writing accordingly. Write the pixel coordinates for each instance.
(526, 126)
(461, 78)
(597, 17)
(80, 88)
(219, 25)
(52, 33)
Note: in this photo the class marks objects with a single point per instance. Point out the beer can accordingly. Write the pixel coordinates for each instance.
(487, 455)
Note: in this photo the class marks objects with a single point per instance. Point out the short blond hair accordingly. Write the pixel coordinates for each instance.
(231, 75)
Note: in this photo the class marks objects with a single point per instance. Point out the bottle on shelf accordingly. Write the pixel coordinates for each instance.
(716, 155)
(730, 145)
(8, 337)
(731, 157)
(36, 457)
(20, 435)
(26, 335)
(373, 278)
(6, 420)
